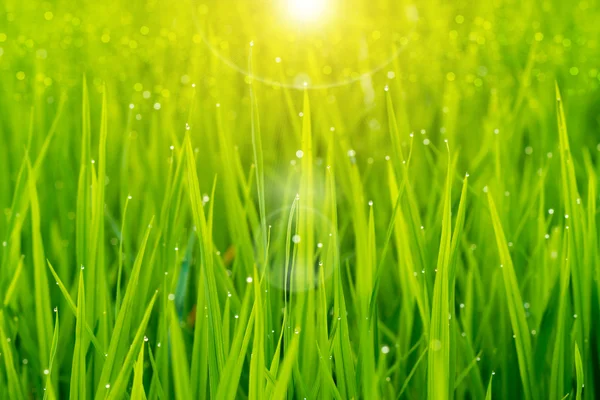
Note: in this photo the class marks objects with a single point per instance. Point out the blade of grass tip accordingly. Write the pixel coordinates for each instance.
(342, 350)
(42, 292)
(13, 283)
(49, 392)
(368, 323)
(515, 307)
(155, 384)
(78, 373)
(273, 370)
(280, 389)
(579, 372)
(83, 211)
(258, 157)
(73, 308)
(233, 203)
(117, 390)
(20, 203)
(409, 282)
(488, 393)
(179, 361)
(37, 164)
(327, 378)
(117, 344)
(438, 374)
(467, 370)
(96, 274)
(581, 276)
(216, 356)
(412, 373)
(257, 360)
(592, 232)
(454, 256)
(13, 227)
(137, 391)
(304, 310)
(14, 384)
(120, 268)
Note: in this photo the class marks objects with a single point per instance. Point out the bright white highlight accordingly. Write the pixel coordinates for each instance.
(306, 10)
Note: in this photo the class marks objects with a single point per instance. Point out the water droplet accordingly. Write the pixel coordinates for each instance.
(385, 349)
(171, 296)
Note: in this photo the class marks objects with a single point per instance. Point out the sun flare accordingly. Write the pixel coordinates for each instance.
(306, 10)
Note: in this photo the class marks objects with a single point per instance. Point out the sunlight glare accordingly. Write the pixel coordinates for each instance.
(306, 10)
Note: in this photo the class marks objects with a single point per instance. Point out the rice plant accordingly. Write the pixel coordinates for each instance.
(285, 199)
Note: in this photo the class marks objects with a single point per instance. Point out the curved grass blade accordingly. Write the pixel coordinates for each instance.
(137, 391)
(515, 308)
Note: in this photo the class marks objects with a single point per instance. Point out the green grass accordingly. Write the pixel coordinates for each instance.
(217, 200)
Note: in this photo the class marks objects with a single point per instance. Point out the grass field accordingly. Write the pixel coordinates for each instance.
(299, 199)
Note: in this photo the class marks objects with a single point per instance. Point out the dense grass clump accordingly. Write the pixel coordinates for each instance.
(226, 199)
